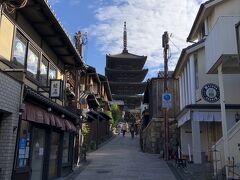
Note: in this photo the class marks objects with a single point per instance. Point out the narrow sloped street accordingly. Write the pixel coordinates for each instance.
(122, 159)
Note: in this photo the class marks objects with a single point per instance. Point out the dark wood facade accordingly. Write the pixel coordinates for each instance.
(153, 97)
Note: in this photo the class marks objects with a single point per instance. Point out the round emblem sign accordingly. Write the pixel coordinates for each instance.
(210, 93)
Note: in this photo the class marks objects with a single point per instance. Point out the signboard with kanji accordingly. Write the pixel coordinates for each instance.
(56, 89)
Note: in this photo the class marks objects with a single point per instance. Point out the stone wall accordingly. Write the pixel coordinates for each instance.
(10, 91)
(153, 137)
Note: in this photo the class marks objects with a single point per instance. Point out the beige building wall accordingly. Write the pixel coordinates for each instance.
(6, 37)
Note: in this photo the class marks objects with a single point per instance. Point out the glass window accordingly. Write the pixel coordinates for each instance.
(32, 61)
(19, 50)
(43, 71)
(52, 72)
(65, 155)
(23, 145)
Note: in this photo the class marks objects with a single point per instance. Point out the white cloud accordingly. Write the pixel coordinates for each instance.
(146, 22)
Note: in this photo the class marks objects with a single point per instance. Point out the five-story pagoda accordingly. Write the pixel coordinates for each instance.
(126, 74)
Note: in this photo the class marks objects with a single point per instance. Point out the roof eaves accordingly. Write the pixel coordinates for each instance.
(199, 14)
(185, 52)
(55, 21)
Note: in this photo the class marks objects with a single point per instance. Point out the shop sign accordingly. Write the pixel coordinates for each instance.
(56, 89)
(23, 152)
(210, 93)
(167, 100)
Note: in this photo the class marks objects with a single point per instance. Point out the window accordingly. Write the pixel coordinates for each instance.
(23, 145)
(19, 50)
(52, 72)
(32, 61)
(43, 76)
(65, 155)
(26, 55)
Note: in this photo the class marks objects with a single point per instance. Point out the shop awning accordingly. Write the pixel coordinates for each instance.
(33, 95)
(36, 114)
(201, 116)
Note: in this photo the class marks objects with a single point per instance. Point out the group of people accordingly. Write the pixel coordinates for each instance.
(125, 127)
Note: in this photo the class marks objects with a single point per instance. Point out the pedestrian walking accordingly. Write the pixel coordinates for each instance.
(119, 128)
(136, 128)
(124, 129)
(132, 130)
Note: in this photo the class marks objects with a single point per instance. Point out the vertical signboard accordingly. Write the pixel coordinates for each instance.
(56, 89)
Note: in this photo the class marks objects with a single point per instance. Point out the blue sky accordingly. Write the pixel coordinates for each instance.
(146, 22)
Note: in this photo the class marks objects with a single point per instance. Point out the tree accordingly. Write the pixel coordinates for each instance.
(115, 113)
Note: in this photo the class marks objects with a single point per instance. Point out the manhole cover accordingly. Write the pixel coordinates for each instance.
(103, 172)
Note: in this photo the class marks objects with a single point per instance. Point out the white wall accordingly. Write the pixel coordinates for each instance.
(232, 88)
(203, 77)
(186, 137)
(228, 8)
(231, 82)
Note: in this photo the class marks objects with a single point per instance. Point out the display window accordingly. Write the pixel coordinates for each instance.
(32, 61)
(43, 76)
(19, 50)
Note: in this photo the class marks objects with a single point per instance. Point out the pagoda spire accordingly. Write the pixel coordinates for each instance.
(125, 38)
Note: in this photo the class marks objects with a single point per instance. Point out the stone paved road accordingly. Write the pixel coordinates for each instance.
(121, 159)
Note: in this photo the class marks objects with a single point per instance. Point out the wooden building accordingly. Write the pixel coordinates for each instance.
(126, 74)
(95, 97)
(152, 130)
(44, 89)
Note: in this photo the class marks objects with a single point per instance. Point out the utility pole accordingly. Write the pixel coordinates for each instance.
(165, 45)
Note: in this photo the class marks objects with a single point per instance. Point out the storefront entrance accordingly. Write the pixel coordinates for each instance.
(44, 149)
(54, 154)
(38, 147)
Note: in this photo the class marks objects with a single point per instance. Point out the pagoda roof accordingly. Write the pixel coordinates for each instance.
(115, 96)
(125, 62)
(127, 88)
(126, 75)
(134, 100)
(126, 55)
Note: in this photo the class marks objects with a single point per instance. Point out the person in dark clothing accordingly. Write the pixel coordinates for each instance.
(132, 129)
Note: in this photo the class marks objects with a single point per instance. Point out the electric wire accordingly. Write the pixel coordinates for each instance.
(11, 5)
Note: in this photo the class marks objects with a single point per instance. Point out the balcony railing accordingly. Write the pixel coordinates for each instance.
(221, 42)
